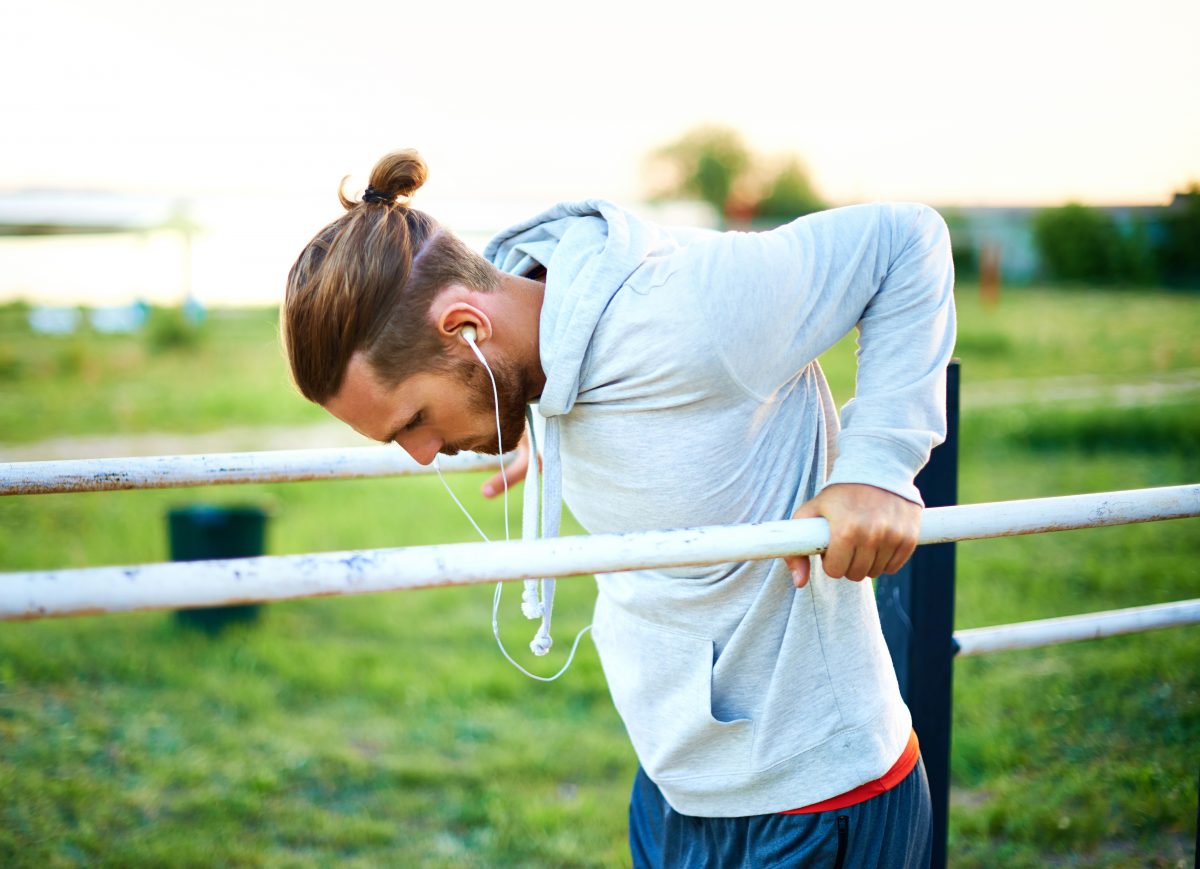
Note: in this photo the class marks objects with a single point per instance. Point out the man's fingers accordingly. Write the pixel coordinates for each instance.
(515, 472)
(493, 486)
(860, 565)
(836, 560)
(801, 569)
(843, 561)
(883, 558)
(900, 558)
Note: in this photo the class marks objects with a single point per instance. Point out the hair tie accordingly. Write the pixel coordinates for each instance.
(371, 195)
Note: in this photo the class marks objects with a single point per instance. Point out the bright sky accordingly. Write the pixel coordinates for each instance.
(944, 101)
(255, 109)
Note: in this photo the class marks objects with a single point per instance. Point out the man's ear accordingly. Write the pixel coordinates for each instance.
(455, 315)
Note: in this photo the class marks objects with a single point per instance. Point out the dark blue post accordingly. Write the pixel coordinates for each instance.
(916, 608)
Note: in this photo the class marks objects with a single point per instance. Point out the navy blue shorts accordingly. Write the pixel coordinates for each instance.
(892, 830)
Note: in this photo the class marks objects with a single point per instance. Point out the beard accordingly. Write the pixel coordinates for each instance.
(512, 390)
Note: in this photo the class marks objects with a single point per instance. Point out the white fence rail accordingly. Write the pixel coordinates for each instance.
(1069, 629)
(43, 594)
(167, 472)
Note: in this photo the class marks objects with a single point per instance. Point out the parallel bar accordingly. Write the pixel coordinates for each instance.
(1090, 626)
(211, 583)
(167, 472)
(1064, 513)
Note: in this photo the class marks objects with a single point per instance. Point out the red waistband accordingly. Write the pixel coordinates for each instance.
(900, 769)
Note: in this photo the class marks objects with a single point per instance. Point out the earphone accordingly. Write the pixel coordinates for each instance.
(533, 604)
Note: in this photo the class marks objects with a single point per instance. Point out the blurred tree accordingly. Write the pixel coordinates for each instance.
(1074, 242)
(712, 163)
(705, 163)
(1077, 243)
(1179, 253)
(790, 195)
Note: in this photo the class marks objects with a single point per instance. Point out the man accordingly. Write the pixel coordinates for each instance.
(676, 373)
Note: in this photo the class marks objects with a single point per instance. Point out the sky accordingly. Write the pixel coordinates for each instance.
(270, 103)
(1026, 102)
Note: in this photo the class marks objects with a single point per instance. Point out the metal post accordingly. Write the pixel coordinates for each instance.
(916, 609)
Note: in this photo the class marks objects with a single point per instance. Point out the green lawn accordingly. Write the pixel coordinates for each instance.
(387, 730)
(227, 372)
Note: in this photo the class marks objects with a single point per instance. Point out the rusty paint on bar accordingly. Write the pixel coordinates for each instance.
(167, 472)
(211, 583)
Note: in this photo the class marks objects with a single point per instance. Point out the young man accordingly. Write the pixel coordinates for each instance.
(677, 377)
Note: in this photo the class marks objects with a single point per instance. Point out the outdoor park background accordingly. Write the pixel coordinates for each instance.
(387, 730)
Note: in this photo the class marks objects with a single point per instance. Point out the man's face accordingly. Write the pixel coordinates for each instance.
(434, 412)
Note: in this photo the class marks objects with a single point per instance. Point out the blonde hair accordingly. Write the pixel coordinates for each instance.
(366, 281)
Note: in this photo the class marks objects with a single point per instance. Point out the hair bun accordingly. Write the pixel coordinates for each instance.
(400, 173)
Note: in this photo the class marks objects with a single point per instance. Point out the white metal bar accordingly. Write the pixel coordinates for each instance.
(1089, 626)
(183, 584)
(166, 472)
(1037, 515)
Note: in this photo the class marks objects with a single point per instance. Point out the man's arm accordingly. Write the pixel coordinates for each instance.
(887, 270)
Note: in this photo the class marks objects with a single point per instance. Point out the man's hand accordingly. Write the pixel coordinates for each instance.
(871, 531)
(515, 471)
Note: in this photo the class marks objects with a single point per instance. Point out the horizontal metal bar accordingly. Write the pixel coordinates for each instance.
(209, 583)
(1068, 629)
(1064, 513)
(168, 472)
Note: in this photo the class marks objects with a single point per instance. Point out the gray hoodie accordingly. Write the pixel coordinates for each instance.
(683, 389)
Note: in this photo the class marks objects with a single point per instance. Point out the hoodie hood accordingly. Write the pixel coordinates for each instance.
(588, 249)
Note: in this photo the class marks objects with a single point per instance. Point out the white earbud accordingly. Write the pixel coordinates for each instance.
(533, 604)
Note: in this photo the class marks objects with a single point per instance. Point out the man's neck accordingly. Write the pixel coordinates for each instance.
(524, 296)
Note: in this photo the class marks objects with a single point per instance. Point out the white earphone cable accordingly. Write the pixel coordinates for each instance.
(469, 338)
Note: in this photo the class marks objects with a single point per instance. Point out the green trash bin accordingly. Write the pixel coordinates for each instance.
(204, 532)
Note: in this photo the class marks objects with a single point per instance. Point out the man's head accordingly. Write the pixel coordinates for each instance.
(436, 412)
(363, 338)
(366, 281)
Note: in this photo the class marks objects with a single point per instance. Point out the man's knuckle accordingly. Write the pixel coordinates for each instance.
(853, 531)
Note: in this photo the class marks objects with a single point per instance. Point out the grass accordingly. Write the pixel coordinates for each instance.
(370, 731)
(387, 730)
(1083, 752)
(1041, 332)
(89, 383)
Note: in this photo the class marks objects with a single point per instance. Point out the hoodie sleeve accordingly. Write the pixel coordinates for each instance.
(774, 301)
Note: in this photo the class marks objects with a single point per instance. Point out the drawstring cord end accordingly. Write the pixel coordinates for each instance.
(540, 645)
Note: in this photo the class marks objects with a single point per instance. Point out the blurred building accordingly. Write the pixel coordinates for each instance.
(81, 212)
(94, 248)
(1008, 233)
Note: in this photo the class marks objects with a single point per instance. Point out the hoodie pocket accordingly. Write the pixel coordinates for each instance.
(661, 684)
